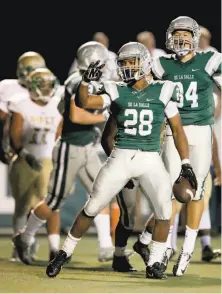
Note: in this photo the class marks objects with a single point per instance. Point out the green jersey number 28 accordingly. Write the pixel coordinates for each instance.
(141, 120)
(190, 95)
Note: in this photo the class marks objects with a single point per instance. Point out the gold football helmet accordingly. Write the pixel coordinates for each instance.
(42, 84)
(26, 63)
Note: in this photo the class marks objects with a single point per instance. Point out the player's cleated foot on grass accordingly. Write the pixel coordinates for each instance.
(23, 250)
(55, 266)
(182, 263)
(209, 254)
(142, 250)
(156, 271)
(52, 255)
(121, 264)
(105, 254)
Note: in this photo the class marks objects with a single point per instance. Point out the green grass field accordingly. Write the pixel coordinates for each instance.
(86, 275)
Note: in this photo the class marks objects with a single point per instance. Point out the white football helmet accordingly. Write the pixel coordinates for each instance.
(91, 52)
(141, 58)
(178, 44)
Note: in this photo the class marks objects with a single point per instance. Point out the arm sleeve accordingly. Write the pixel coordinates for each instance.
(171, 109)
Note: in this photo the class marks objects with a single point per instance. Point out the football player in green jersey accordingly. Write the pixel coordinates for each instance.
(137, 111)
(194, 73)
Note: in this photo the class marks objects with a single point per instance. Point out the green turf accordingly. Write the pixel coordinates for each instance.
(86, 274)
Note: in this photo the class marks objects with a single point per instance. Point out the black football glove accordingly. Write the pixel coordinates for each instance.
(93, 72)
(188, 173)
(31, 160)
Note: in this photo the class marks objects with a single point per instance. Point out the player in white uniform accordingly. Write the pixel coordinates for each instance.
(14, 90)
(9, 90)
(35, 125)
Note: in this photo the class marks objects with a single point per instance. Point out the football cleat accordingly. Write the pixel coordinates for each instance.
(142, 250)
(23, 249)
(208, 254)
(121, 264)
(156, 271)
(52, 255)
(182, 263)
(105, 254)
(55, 266)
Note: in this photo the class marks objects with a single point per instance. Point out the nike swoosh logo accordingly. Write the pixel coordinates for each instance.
(149, 100)
(195, 69)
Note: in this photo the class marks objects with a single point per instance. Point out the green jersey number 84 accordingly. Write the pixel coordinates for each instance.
(138, 122)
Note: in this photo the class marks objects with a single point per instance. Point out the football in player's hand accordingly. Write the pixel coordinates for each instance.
(183, 192)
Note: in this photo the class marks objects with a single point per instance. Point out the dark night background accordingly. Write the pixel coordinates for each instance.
(56, 29)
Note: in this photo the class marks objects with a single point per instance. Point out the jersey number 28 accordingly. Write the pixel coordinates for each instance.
(144, 118)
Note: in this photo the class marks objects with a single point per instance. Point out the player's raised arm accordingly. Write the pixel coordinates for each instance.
(81, 116)
(108, 136)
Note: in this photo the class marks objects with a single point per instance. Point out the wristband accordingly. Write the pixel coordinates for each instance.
(185, 161)
(84, 83)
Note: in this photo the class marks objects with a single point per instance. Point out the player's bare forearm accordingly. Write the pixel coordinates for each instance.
(81, 116)
(15, 132)
(89, 101)
(179, 136)
(109, 134)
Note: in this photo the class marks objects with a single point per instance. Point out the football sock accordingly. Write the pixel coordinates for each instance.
(33, 225)
(189, 241)
(145, 238)
(119, 251)
(175, 231)
(121, 235)
(205, 241)
(54, 241)
(157, 250)
(70, 244)
(169, 238)
(102, 223)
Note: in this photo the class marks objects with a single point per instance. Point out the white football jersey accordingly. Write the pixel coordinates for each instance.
(40, 125)
(11, 91)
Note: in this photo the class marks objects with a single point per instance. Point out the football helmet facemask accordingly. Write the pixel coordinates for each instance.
(133, 62)
(26, 63)
(182, 44)
(42, 84)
